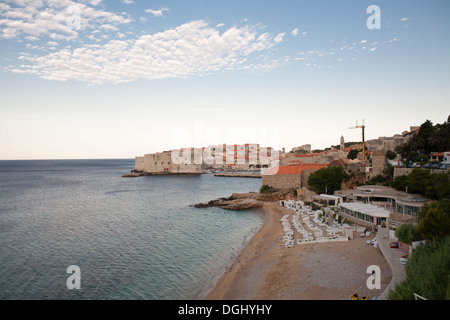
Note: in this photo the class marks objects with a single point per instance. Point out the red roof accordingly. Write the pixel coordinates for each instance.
(339, 162)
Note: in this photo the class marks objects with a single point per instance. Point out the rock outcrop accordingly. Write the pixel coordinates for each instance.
(243, 201)
(232, 204)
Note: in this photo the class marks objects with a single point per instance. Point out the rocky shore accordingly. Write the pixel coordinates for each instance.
(244, 201)
(232, 204)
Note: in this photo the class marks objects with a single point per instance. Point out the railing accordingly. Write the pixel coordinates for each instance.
(417, 297)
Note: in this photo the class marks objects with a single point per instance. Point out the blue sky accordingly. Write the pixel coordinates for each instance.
(116, 79)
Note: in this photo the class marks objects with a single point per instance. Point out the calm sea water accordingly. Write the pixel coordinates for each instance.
(132, 238)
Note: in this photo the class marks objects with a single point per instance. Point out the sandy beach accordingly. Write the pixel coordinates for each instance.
(321, 271)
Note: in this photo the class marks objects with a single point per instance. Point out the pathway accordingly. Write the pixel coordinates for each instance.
(393, 258)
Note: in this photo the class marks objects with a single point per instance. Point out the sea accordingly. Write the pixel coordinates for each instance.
(78, 230)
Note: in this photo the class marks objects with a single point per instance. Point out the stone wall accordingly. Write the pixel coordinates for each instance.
(314, 158)
(306, 194)
(402, 171)
(139, 164)
(165, 163)
(305, 175)
(195, 160)
(288, 181)
(378, 163)
(282, 181)
(405, 171)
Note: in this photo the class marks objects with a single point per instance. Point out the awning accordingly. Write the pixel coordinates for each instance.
(369, 209)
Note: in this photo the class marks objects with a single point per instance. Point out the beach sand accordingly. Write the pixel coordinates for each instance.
(322, 271)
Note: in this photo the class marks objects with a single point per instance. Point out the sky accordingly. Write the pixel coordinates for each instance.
(117, 79)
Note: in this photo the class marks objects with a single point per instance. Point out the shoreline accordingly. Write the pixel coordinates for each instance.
(201, 295)
(223, 282)
(238, 175)
(322, 271)
(138, 174)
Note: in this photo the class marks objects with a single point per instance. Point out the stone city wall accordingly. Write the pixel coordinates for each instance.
(282, 181)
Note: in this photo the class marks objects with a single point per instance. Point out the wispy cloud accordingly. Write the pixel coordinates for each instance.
(404, 19)
(157, 13)
(279, 37)
(296, 31)
(347, 51)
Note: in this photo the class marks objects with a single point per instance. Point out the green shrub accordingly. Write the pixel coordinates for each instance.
(267, 189)
(434, 220)
(427, 273)
(407, 233)
(327, 180)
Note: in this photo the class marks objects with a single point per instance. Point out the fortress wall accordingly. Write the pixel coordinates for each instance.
(139, 163)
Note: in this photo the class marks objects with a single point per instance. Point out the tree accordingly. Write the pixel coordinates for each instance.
(434, 140)
(443, 132)
(352, 154)
(327, 180)
(434, 220)
(417, 143)
(390, 155)
(418, 180)
(426, 131)
(388, 172)
(407, 233)
(400, 183)
(438, 187)
(433, 185)
(428, 139)
(427, 273)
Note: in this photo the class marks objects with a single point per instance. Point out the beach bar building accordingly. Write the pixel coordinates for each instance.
(397, 202)
(365, 214)
(330, 200)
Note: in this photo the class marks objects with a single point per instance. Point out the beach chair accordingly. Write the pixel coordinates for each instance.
(353, 297)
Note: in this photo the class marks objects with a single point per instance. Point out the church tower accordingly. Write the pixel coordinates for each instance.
(342, 143)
